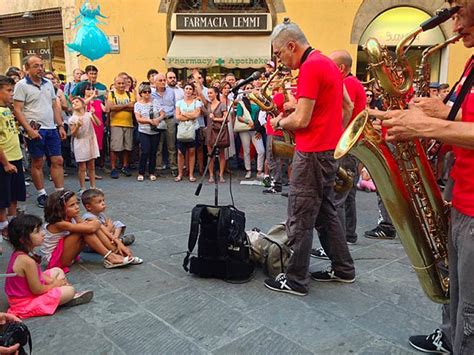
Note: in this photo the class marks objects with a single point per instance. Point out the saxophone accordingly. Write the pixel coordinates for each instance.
(423, 70)
(402, 173)
(422, 81)
(286, 148)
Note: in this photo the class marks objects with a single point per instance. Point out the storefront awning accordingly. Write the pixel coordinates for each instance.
(199, 51)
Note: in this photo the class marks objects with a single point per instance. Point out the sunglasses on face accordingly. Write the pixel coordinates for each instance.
(146, 92)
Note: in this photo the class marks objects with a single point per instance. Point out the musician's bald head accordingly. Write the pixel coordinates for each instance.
(343, 60)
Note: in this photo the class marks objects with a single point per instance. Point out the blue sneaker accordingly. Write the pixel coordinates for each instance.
(126, 172)
(41, 200)
(114, 174)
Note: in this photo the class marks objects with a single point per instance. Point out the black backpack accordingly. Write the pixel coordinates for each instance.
(223, 246)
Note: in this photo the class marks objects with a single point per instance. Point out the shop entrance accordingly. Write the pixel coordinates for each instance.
(390, 27)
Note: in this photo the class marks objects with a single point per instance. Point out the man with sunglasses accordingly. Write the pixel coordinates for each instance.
(317, 125)
(427, 118)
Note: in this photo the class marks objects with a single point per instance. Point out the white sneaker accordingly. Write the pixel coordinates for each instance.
(260, 176)
(248, 175)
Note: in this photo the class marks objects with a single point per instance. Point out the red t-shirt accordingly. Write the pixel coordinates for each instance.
(278, 100)
(357, 93)
(463, 170)
(320, 80)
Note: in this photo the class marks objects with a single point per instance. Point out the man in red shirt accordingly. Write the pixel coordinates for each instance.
(317, 125)
(426, 118)
(345, 201)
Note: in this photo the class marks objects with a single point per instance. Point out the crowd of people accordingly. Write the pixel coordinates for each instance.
(162, 123)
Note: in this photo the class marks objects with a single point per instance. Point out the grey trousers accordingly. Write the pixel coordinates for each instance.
(345, 202)
(311, 205)
(384, 219)
(274, 164)
(461, 271)
(170, 143)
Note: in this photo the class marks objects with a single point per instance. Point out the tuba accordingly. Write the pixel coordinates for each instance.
(402, 174)
(286, 148)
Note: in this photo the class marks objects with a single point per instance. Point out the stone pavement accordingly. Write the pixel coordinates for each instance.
(156, 308)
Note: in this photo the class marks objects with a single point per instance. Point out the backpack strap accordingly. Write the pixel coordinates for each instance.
(193, 233)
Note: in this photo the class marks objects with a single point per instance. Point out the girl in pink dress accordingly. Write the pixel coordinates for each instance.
(95, 104)
(31, 292)
(84, 143)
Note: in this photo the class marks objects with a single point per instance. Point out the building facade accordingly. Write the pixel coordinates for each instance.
(217, 36)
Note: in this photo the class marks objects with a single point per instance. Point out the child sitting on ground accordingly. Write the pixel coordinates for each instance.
(31, 292)
(365, 182)
(94, 202)
(66, 234)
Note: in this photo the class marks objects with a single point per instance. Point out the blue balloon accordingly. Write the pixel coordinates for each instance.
(90, 41)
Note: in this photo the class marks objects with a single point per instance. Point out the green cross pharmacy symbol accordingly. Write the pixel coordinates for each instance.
(220, 62)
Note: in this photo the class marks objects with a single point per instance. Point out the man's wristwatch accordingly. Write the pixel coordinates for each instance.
(278, 123)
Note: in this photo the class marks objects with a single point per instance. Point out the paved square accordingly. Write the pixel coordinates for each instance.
(156, 308)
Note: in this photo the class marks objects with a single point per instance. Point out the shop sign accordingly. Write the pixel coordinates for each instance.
(44, 53)
(203, 62)
(114, 42)
(246, 22)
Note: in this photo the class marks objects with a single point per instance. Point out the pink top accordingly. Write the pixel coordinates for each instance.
(17, 286)
(99, 130)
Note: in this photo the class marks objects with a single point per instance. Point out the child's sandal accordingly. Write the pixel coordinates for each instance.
(109, 265)
(136, 260)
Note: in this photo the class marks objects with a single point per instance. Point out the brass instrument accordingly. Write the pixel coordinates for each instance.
(286, 148)
(422, 81)
(423, 70)
(402, 174)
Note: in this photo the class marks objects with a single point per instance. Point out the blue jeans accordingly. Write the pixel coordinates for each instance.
(148, 148)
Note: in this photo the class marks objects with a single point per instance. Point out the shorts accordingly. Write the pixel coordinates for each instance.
(49, 145)
(183, 146)
(121, 138)
(12, 186)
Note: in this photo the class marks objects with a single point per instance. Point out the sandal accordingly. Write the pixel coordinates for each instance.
(221, 179)
(211, 180)
(98, 177)
(178, 179)
(135, 260)
(80, 298)
(192, 179)
(140, 178)
(109, 265)
(152, 177)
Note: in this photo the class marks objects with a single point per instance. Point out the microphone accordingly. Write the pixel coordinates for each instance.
(254, 76)
(439, 18)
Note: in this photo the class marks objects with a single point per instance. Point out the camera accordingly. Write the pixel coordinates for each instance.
(14, 333)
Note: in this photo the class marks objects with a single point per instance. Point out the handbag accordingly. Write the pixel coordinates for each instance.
(213, 131)
(186, 131)
(161, 126)
(241, 126)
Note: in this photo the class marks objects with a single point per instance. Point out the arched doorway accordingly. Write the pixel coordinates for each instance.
(390, 27)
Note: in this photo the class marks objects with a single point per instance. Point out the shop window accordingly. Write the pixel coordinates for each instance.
(390, 27)
(49, 48)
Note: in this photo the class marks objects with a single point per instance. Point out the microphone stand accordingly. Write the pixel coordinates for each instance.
(214, 154)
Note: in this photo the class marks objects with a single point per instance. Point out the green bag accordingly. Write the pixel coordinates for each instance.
(270, 250)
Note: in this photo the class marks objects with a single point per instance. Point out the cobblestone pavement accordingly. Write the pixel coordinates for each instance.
(156, 308)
